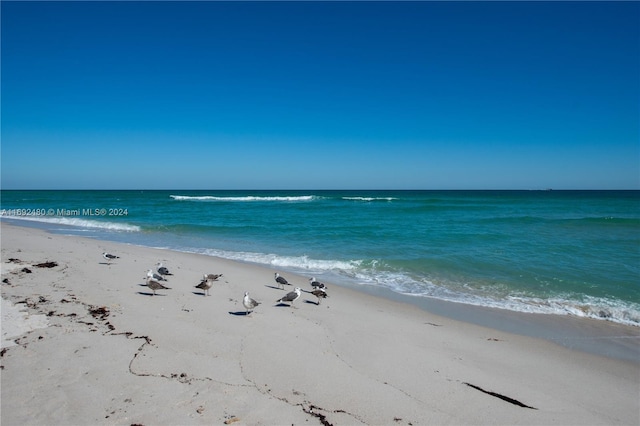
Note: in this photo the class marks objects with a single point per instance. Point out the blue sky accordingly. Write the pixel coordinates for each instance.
(320, 95)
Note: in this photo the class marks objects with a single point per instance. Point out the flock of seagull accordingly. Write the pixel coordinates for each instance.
(154, 282)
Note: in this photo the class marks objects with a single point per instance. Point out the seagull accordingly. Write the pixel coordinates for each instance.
(155, 285)
(205, 285)
(290, 297)
(316, 284)
(249, 303)
(110, 256)
(320, 293)
(281, 281)
(162, 270)
(155, 276)
(211, 277)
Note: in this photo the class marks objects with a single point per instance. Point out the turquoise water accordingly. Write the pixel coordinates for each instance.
(550, 252)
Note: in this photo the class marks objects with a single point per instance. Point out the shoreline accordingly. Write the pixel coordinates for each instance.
(582, 334)
(579, 333)
(185, 358)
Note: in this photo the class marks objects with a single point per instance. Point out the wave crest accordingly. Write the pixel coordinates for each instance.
(301, 263)
(80, 223)
(368, 199)
(243, 198)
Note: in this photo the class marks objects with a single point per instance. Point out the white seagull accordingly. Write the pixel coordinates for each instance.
(290, 297)
(110, 256)
(281, 281)
(249, 303)
(154, 276)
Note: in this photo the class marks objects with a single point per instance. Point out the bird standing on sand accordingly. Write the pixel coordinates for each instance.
(154, 276)
(162, 270)
(205, 285)
(110, 256)
(316, 284)
(207, 282)
(155, 285)
(281, 281)
(320, 293)
(290, 297)
(249, 303)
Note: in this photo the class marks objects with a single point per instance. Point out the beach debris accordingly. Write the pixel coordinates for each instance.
(26, 270)
(14, 260)
(290, 297)
(46, 265)
(110, 256)
(163, 270)
(155, 285)
(249, 303)
(319, 416)
(231, 420)
(100, 313)
(320, 293)
(316, 284)
(281, 281)
(502, 397)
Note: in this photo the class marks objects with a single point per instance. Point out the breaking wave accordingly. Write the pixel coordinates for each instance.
(369, 199)
(78, 223)
(244, 198)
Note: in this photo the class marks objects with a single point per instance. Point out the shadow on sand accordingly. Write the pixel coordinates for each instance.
(148, 293)
(274, 287)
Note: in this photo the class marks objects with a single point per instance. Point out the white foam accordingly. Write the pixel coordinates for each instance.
(596, 308)
(80, 223)
(591, 307)
(369, 198)
(245, 198)
(303, 263)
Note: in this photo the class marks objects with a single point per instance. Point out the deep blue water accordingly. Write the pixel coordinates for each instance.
(550, 252)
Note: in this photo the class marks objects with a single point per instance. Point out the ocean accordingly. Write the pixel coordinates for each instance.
(548, 252)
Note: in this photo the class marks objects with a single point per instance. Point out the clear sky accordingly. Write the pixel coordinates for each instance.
(320, 95)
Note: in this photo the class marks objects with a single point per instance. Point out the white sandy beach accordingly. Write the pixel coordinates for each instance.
(97, 348)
